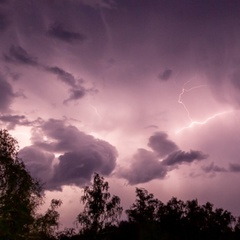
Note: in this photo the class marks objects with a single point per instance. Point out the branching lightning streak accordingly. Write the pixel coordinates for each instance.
(181, 94)
(192, 122)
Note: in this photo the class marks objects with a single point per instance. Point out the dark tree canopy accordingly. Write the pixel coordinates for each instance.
(100, 209)
(20, 194)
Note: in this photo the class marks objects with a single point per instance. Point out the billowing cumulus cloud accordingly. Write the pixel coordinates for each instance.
(144, 167)
(148, 165)
(38, 162)
(80, 154)
(160, 143)
(57, 31)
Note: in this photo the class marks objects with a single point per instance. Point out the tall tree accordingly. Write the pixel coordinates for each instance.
(145, 208)
(100, 209)
(20, 194)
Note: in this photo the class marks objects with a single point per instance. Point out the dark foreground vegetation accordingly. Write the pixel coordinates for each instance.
(148, 218)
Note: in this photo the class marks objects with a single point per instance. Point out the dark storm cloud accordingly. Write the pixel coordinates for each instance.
(213, 168)
(149, 165)
(6, 94)
(18, 120)
(19, 55)
(75, 94)
(180, 157)
(66, 77)
(57, 31)
(161, 145)
(144, 167)
(234, 167)
(38, 162)
(77, 91)
(13, 120)
(165, 75)
(81, 154)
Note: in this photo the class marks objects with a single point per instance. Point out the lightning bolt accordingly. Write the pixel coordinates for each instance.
(182, 93)
(192, 122)
(95, 110)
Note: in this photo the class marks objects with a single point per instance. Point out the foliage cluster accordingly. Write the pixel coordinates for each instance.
(147, 218)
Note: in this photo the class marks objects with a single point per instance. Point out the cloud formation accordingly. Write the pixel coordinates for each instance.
(80, 155)
(234, 167)
(166, 156)
(6, 94)
(144, 167)
(160, 143)
(165, 75)
(18, 120)
(19, 55)
(38, 162)
(76, 90)
(212, 168)
(57, 31)
(180, 157)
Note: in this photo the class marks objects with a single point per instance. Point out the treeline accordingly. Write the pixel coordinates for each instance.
(147, 218)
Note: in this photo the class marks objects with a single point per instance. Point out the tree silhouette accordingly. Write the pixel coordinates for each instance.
(100, 209)
(20, 194)
(145, 208)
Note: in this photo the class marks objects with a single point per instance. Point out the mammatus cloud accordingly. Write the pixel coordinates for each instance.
(165, 75)
(6, 94)
(166, 156)
(57, 31)
(80, 155)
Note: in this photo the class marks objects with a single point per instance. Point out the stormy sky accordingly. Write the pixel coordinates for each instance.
(146, 93)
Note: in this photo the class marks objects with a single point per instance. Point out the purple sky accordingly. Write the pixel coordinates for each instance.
(146, 93)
